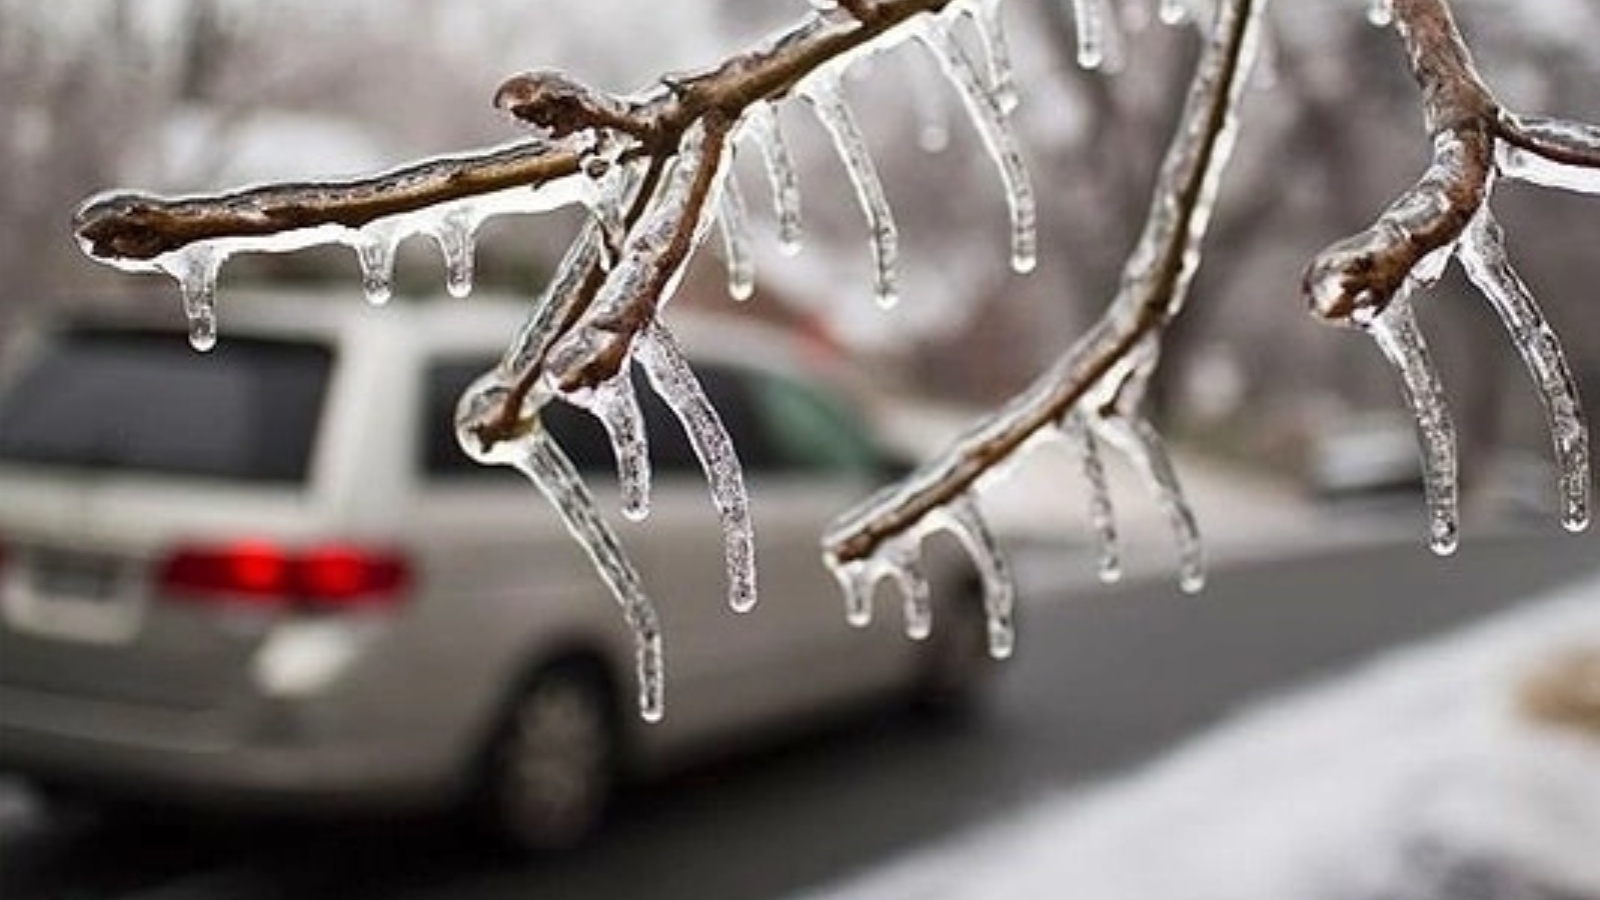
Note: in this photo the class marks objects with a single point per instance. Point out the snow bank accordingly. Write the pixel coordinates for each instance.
(1413, 777)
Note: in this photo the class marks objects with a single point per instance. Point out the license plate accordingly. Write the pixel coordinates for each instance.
(75, 574)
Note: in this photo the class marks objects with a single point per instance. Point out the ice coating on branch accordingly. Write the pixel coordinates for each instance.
(536, 333)
(1396, 332)
(963, 518)
(825, 93)
(1138, 440)
(670, 376)
(1091, 32)
(195, 269)
(1482, 255)
(733, 220)
(1578, 138)
(1380, 13)
(1102, 516)
(984, 109)
(762, 126)
(537, 456)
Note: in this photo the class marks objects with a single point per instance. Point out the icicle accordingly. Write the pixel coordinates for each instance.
(1091, 33)
(997, 51)
(781, 175)
(1482, 254)
(533, 338)
(375, 249)
(453, 232)
(857, 580)
(538, 457)
(962, 517)
(1102, 517)
(998, 139)
(1395, 330)
(826, 96)
(1138, 440)
(669, 374)
(1380, 13)
(616, 405)
(1173, 12)
(902, 557)
(195, 269)
(732, 217)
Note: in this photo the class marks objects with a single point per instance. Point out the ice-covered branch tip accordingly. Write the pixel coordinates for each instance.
(1096, 384)
(1446, 215)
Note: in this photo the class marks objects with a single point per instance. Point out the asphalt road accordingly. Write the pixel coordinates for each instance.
(1103, 679)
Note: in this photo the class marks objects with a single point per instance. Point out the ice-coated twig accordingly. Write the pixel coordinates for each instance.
(984, 110)
(782, 179)
(536, 455)
(825, 93)
(1482, 255)
(671, 378)
(734, 223)
(1102, 515)
(1154, 283)
(1397, 335)
(1550, 152)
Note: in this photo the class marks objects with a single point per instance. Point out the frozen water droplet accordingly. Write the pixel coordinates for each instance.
(376, 250)
(1102, 517)
(734, 220)
(826, 97)
(1397, 335)
(1482, 254)
(1139, 441)
(1380, 13)
(781, 176)
(1091, 33)
(984, 110)
(454, 234)
(669, 374)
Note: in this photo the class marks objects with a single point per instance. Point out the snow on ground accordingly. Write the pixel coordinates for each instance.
(1414, 777)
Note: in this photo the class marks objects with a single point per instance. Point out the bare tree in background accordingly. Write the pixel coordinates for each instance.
(653, 171)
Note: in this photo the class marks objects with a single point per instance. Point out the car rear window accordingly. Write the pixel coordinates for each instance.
(145, 402)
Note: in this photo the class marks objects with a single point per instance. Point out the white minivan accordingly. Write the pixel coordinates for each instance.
(267, 576)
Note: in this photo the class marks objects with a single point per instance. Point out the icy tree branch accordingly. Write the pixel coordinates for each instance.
(1445, 214)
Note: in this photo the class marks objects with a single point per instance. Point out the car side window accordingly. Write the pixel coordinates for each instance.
(812, 431)
(582, 436)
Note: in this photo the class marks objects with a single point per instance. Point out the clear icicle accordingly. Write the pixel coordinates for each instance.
(1137, 439)
(454, 235)
(733, 220)
(781, 175)
(1482, 254)
(903, 557)
(375, 249)
(1396, 332)
(1102, 517)
(542, 460)
(616, 405)
(997, 52)
(963, 518)
(857, 579)
(995, 131)
(826, 96)
(1088, 15)
(1380, 13)
(195, 269)
(669, 374)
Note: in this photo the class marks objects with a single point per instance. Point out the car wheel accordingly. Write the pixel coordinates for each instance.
(955, 664)
(552, 766)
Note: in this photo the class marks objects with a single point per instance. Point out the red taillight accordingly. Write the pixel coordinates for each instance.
(326, 577)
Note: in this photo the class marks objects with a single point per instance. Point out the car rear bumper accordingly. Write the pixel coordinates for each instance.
(275, 758)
